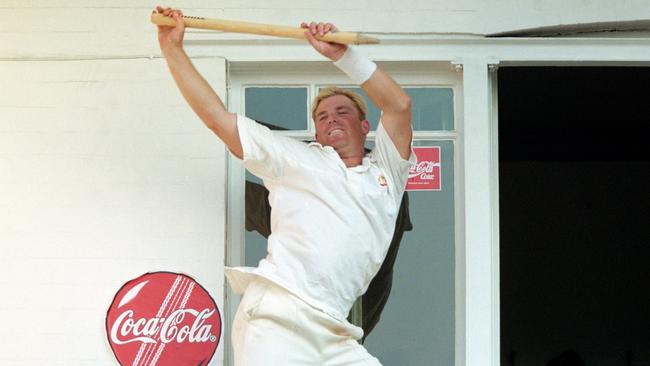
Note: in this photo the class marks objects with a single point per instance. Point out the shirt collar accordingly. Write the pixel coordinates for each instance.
(367, 160)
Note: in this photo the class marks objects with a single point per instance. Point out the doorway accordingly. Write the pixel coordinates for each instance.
(574, 206)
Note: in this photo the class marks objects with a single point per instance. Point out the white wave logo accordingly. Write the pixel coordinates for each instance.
(424, 169)
(126, 329)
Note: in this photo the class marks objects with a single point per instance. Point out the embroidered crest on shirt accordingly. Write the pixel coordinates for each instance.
(382, 181)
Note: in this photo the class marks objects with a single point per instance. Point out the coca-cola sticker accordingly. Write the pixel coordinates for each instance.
(163, 319)
(425, 174)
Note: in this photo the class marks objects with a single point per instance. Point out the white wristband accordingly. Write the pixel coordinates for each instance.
(357, 67)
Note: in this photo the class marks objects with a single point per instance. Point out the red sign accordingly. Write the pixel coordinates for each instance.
(163, 319)
(425, 175)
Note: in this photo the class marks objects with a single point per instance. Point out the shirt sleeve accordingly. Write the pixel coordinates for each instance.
(392, 162)
(265, 154)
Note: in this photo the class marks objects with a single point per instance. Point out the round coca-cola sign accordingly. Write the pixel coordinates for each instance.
(163, 319)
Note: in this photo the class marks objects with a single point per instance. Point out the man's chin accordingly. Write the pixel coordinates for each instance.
(335, 142)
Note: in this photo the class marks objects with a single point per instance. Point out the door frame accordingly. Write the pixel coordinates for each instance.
(478, 58)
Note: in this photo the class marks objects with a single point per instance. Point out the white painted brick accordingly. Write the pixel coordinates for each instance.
(112, 243)
(106, 273)
(105, 174)
(100, 219)
(112, 144)
(64, 28)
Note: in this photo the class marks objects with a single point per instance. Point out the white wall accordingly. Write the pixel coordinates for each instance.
(120, 27)
(105, 174)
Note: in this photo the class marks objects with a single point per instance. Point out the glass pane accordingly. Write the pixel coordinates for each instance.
(417, 325)
(255, 248)
(433, 108)
(283, 107)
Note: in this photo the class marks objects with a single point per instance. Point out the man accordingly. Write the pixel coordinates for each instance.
(334, 207)
(258, 218)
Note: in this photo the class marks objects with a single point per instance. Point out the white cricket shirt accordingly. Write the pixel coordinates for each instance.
(331, 225)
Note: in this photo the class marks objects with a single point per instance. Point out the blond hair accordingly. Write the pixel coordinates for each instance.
(325, 93)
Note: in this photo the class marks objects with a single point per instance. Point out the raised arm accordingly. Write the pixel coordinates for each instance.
(196, 91)
(395, 105)
(384, 92)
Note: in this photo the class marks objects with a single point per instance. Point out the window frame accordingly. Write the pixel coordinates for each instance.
(316, 75)
(478, 58)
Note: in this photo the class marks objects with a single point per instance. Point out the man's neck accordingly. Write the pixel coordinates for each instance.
(352, 162)
(351, 159)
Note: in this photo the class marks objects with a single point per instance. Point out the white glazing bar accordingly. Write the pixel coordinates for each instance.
(481, 349)
(235, 250)
(235, 222)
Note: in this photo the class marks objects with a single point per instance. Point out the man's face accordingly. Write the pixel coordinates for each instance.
(338, 123)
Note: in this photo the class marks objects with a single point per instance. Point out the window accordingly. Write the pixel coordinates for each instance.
(285, 107)
(433, 108)
(422, 302)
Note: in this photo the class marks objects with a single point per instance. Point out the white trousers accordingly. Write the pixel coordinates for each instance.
(274, 327)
